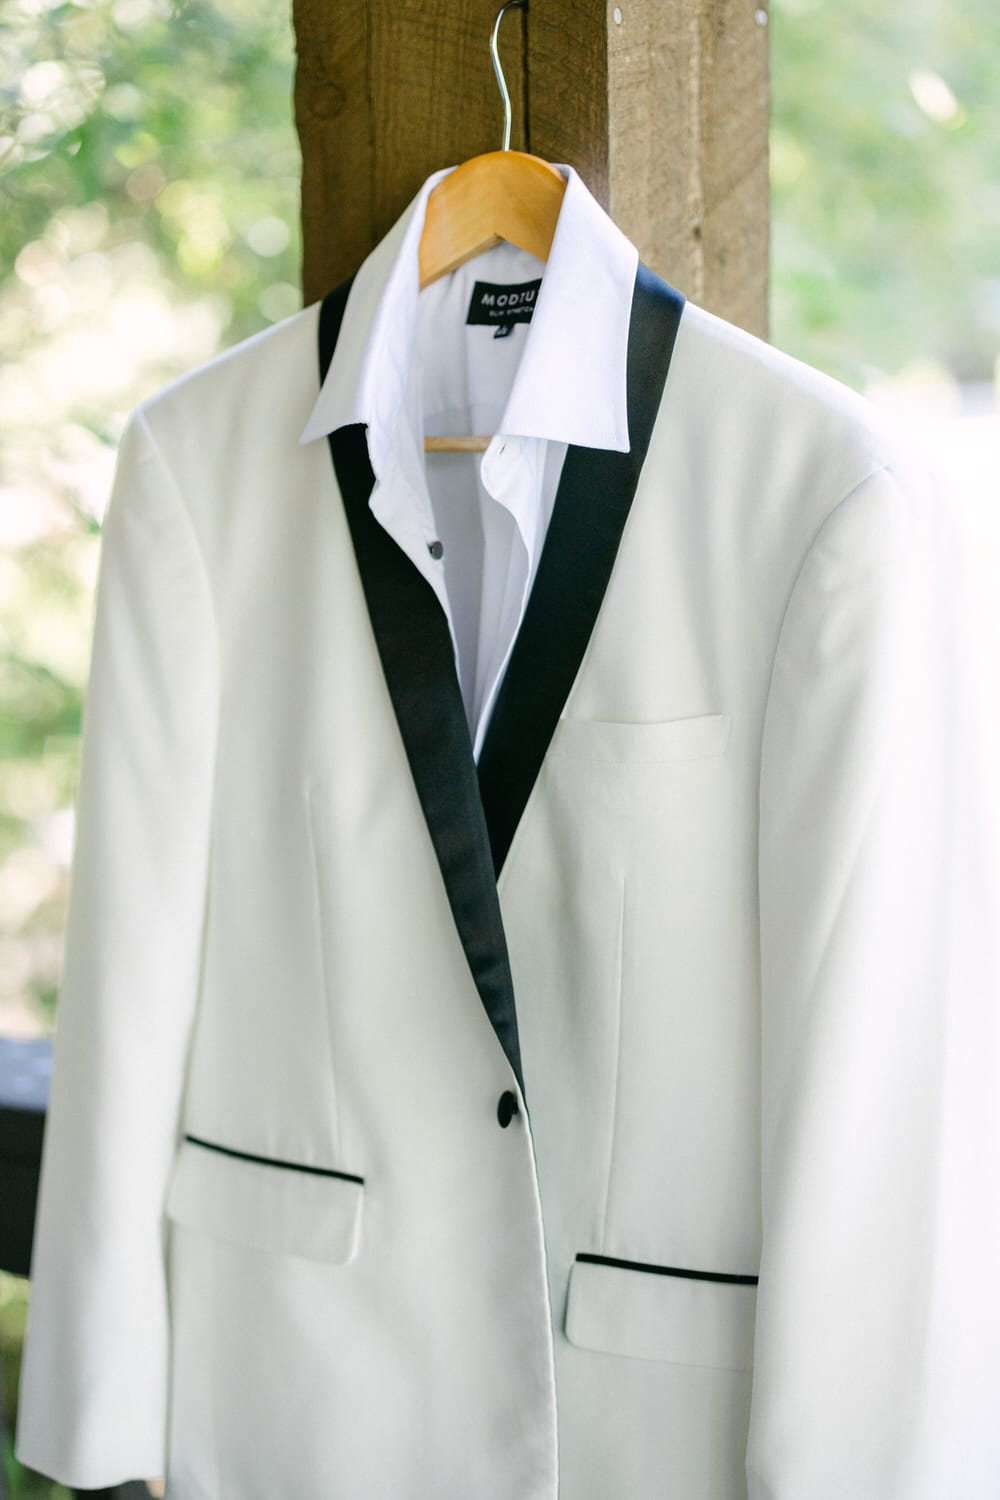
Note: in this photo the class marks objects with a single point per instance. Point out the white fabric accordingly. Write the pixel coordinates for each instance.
(751, 911)
(408, 364)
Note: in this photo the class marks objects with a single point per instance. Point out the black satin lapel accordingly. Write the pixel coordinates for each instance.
(591, 506)
(414, 644)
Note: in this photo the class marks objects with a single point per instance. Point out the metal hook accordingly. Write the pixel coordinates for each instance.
(494, 53)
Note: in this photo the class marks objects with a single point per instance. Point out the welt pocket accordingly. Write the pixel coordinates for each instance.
(668, 1313)
(265, 1202)
(617, 740)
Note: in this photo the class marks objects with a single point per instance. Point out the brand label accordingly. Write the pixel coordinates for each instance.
(502, 306)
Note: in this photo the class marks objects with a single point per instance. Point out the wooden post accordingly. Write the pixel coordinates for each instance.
(661, 105)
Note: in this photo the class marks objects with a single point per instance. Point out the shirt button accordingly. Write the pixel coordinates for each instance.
(506, 1107)
(435, 549)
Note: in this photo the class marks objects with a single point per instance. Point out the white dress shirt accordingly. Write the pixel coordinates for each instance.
(408, 364)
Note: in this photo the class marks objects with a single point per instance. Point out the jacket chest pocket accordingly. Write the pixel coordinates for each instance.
(644, 789)
(615, 742)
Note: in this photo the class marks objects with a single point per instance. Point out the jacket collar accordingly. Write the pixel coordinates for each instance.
(571, 383)
(472, 811)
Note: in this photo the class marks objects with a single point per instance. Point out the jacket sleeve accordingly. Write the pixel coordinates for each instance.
(92, 1402)
(878, 1320)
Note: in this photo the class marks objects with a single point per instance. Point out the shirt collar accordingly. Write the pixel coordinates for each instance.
(570, 384)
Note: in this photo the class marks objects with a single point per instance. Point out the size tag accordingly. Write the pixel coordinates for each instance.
(502, 306)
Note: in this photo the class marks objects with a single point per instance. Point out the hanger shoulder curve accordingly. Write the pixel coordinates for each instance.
(498, 195)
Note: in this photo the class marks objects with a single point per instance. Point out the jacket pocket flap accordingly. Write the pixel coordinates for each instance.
(613, 740)
(269, 1205)
(651, 1315)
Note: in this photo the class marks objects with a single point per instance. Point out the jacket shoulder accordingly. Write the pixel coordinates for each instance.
(261, 376)
(720, 350)
(786, 416)
(227, 435)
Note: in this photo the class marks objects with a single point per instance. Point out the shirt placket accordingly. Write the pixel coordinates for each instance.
(403, 507)
(511, 473)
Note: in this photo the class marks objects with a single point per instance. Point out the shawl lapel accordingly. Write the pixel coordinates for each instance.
(472, 812)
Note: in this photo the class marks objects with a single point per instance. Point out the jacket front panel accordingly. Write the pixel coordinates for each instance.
(339, 1027)
(628, 905)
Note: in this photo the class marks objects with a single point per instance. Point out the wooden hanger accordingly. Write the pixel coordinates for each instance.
(498, 195)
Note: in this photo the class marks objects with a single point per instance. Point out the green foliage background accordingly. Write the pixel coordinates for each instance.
(886, 219)
(149, 216)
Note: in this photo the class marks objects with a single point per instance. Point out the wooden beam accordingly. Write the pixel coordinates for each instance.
(385, 93)
(661, 105)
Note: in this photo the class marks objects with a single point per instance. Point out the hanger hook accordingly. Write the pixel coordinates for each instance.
(494, 53)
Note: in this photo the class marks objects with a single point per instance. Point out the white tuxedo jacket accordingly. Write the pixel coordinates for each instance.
(612, 1119)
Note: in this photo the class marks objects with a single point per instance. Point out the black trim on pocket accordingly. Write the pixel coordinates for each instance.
(642, 1265)
(274, 1161)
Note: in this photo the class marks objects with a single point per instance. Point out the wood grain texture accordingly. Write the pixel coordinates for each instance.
(661, 105)
(665, 113)
(568, 88)
(386, 92)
